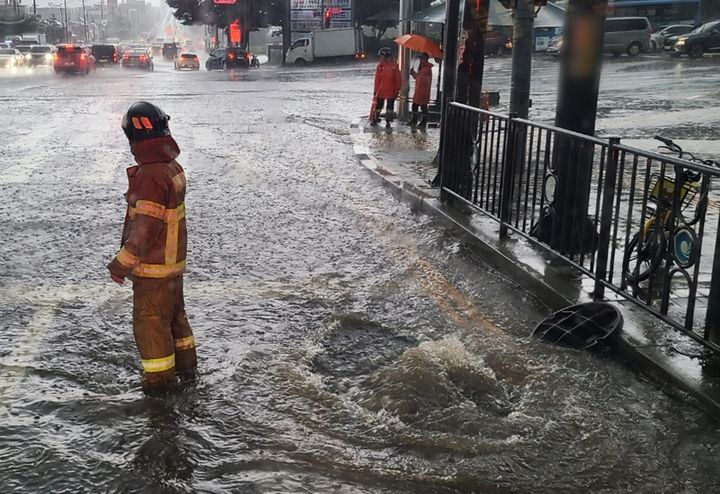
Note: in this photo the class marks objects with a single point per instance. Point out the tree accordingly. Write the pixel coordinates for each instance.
(255, 13)
(368, 8)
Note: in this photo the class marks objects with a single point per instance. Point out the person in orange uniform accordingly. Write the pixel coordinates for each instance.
(387, 87)
(423, 86)
(153, 248)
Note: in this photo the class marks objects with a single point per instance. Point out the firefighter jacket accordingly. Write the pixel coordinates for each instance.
(154, 239)
(423, 83)
(387, 80)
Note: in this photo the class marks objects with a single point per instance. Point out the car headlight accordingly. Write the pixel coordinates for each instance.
(27, 55)
(680, 42)
(559, 44)
(48, 56)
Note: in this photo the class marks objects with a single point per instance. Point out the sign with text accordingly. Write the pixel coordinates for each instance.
(305, 15)
(319, 4)
(305, 26)
(305, 4)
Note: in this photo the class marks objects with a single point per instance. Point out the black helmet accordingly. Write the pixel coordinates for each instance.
(143, 121)
(385, 52)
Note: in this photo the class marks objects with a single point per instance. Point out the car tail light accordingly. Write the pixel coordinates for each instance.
(83, 57)
(143, 58)
(231, 56)
(247, 56)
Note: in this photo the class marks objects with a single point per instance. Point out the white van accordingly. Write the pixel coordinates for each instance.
(629, 35)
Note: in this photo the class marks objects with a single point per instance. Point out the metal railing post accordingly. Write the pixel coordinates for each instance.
(445, 133)
(712, 316)
(606, 216)
(506, 195)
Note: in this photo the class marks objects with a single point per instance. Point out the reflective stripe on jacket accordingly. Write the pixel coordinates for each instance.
(154, 239)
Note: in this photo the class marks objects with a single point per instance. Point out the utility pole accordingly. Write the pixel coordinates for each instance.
(84, 20)
(450, 49)
(34, 8)
(522, 57)
(568, 229)
(287, 31)
(404, 57)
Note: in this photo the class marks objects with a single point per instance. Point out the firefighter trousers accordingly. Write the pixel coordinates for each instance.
(162, 332)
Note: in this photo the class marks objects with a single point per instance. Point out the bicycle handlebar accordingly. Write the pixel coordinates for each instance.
(668, 142)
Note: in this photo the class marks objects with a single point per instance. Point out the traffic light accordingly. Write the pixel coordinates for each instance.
(328, 18)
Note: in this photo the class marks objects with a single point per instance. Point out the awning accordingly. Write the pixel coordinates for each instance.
(389, 15)
(435, 14)
(652, 3)
(549, 16)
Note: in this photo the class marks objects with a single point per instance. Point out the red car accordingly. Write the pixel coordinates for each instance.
(73, 58)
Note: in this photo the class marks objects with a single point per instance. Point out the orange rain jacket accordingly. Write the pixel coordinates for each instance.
(423, 83)
(387, 80)
(154, 238)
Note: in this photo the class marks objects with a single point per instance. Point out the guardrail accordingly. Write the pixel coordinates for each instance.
(632, 220)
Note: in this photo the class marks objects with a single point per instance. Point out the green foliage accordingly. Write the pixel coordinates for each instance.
(259, 13)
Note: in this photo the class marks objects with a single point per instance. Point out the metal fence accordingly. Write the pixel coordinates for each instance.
(632, 220)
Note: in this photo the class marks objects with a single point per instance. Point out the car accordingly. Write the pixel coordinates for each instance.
(187, 61)
(230, 57)
(41, 55)
(25, 52)
(695, 44)
(105, 54)
(657, 38)
(555, 45)
(73, 58)
(629, 35)
(138, 59)
(622, 34)
(497, 43)
(10, 58)
(169, 51)
(156, 50)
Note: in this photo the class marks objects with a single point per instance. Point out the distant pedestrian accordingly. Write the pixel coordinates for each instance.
(387, 87)
(423, 86)
(154, 243)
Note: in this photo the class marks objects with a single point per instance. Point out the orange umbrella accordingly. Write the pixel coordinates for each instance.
(421, 44)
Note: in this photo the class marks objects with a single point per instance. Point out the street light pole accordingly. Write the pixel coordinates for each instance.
(67, 34)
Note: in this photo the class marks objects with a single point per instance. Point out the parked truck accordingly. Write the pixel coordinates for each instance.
(327, 44)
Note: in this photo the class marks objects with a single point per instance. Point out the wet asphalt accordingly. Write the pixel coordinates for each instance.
(347, 343)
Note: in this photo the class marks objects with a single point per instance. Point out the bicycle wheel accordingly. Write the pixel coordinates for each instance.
(640, 263)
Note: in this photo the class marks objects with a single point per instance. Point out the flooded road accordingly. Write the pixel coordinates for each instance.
(347, 343)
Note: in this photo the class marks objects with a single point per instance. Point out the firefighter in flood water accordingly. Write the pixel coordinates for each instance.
(154, 242)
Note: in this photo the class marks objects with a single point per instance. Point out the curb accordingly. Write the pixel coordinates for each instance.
(630, 345)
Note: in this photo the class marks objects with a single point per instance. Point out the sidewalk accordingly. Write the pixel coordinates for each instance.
(401, 158)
